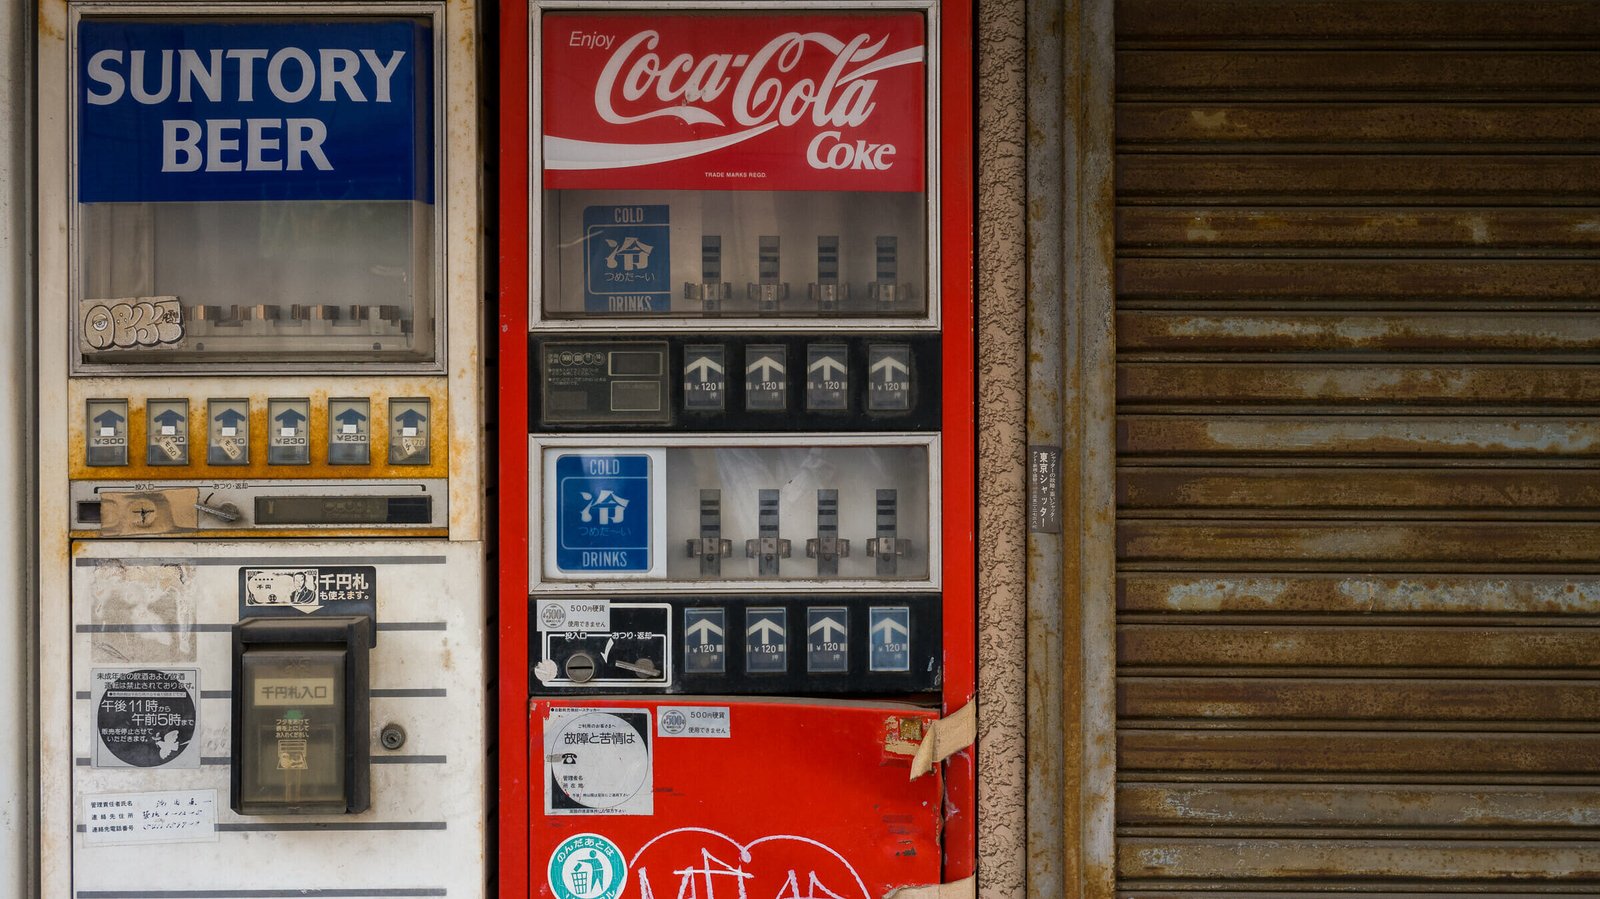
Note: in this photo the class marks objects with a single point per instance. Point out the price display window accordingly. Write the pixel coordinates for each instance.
(737, 165)
(255, 189)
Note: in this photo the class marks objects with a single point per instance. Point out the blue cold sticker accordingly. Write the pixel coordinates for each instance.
(603, 512)
(254, 110)
(627, 261)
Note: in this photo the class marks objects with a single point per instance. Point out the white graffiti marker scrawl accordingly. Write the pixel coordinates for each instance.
(699, 863)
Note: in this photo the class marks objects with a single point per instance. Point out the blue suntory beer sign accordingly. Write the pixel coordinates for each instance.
(254, 110)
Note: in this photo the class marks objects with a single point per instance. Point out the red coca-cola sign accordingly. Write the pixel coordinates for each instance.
(735, 101)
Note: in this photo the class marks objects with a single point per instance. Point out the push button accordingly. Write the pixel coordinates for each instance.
(704, 378)
(167, 432)
(827, 639)
(827, 377)
(766, 378)
(287, 424)
(766, 641)
(409, 428)
(705, 640)
(349, 431)
(889, 638)
(888, 377)
(106, 432)
(228, 429)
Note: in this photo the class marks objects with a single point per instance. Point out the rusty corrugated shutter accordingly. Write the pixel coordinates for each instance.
(1359, 421)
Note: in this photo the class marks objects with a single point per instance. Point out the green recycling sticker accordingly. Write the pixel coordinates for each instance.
(587, 866)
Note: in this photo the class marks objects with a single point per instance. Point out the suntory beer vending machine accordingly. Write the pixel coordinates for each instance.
(262, 622)
(736, 458)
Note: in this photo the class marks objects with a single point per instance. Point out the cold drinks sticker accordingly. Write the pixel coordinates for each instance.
(254, 110)
(627, 266)
(734, 101)
(608, 511)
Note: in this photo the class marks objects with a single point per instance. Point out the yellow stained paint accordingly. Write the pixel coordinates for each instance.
(341, 533)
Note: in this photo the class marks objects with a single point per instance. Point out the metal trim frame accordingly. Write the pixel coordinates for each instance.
(933, 159)
(644, 584)
(1071, 404)
(334, 9)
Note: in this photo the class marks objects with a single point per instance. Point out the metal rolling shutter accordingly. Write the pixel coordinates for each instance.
(1358, 320)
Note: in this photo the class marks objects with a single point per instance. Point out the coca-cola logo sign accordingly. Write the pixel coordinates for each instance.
(734, 101)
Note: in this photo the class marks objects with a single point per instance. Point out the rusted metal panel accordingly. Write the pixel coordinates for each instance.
(1365, 283)
(1408, 385)
(1523, 595)
(1358, 543)
(1359, 520)
(1333, 753)
(1454, 493)
(1345, 703)
(1476, 436)
(1300, 73)
(1196, 21)
(1489, 652)
(1427, 861)
(1486, 230)
(1545, 807)
(1148, 331)
(1368, 127)
(1369, 179)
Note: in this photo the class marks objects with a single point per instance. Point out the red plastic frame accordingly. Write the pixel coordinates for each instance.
(955, 230)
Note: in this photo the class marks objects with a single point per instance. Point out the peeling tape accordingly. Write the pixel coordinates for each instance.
(965, 888)
(149, 513)
(945, 738)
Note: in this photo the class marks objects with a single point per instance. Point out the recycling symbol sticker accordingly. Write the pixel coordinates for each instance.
(587, 866)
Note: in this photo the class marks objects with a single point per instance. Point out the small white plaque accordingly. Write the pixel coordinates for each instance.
(286, 432)
(176, 816)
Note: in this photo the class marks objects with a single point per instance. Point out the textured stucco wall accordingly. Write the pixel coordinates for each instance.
(1002, 543)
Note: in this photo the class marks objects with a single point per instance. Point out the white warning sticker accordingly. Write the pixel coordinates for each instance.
(590, 616)
(174, 816)
(598, 762)
(694, 721)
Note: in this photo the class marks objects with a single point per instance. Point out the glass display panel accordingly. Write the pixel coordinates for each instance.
(741, 164)
(255, 189)
(756, 514)
(735, 253)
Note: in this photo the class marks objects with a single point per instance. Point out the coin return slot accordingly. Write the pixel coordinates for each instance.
(89, 513)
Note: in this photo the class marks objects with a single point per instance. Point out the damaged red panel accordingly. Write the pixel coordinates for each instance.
(665, 797)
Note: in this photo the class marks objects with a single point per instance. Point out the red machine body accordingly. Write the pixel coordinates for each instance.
(805, 794)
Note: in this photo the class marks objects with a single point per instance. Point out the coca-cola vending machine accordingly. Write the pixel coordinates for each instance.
(736, 458)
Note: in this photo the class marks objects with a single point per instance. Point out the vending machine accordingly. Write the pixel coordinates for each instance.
(736, 461)
(262, 625)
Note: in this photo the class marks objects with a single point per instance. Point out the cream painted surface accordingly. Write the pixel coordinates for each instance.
(428, 799)
(450, 792)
